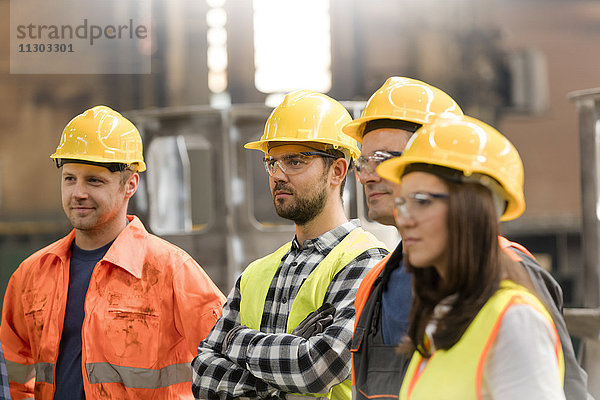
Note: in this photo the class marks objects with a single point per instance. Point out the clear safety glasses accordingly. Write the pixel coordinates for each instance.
(415, 204)
(294, 163)
(370, 163)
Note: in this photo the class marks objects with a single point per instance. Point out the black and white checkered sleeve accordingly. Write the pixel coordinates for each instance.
(215, 376)
(297, 365)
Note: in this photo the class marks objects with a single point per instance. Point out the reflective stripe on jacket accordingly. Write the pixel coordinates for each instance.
(147, 308)
(258, 276)
(546, 287)
(456, 373)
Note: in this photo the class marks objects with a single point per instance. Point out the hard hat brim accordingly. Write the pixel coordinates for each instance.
(356, 128)
(100, 160)
(262, 145)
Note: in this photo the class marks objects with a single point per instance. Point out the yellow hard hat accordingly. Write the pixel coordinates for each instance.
(471, 147)
(306, 116)
(101, 135)
(404, 99)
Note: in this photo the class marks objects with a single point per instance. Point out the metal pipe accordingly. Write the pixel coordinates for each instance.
(588, 107)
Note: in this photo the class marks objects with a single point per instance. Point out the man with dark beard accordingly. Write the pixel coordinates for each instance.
(287, 325)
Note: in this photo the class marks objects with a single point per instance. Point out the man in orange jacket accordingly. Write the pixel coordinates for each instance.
(105, 312)
(391, 116)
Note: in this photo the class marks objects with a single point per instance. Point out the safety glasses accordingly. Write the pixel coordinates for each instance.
(370, 163)
(415, 205)
(294, 163)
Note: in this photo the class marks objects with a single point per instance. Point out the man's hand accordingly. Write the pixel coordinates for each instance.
(316, 322)
(230, 336)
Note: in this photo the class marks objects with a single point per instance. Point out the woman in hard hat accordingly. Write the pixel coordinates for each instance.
(477, 330)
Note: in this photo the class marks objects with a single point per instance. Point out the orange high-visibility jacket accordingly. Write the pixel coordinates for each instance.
(147, 308)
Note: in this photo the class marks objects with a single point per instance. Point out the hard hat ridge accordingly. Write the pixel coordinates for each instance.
(103, 136)
(404, 99)
(307, 116)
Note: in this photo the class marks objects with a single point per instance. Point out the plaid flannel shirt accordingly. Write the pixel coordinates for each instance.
(270, 362)
(4, 390)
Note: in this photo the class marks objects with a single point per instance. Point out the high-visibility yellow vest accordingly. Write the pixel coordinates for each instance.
(258, 276)
(456, 373)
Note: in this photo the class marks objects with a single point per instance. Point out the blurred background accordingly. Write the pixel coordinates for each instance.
(219, 65)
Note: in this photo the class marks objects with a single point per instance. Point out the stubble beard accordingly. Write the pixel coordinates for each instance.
(381, 215)
(304, 209)
(381, 210)
(83, 223)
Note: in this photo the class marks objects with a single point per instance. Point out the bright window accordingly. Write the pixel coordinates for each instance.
(216, 36)
(292, 45)
(180, 184)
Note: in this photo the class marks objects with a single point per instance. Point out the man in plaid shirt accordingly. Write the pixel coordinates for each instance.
(287, 325)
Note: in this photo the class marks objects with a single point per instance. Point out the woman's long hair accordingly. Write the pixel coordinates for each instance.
(473, 274)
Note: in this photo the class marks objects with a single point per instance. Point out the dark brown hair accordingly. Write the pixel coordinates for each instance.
(474, 269)
(329, 162)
